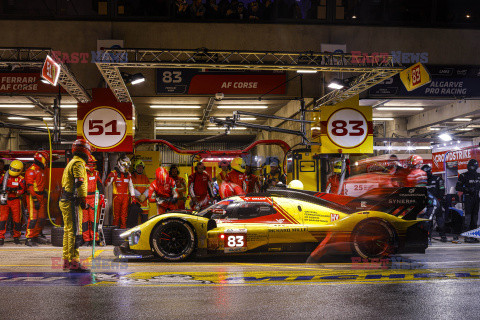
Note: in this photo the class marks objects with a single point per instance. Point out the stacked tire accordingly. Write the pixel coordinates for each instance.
(57, 236)
(107, 232)
(116, 240)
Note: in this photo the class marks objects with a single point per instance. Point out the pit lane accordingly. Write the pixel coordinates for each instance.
(428, 285)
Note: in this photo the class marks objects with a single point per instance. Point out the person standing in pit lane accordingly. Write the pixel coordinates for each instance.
(123, 190)
(35, 180)
(275, 176)
(252, 181)
(141, 184)
(94, 183)
(468, 188)
(180, 187)
(224, 165)
(72, 203)
(334, 179)
(14, 188)
(436, 202)
(237, 174)
(162, 191)
(200, 188)
(412, 176)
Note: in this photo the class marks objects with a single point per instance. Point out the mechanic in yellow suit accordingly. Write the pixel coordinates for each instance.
(224, 166)
(72, 201)
(140, 184)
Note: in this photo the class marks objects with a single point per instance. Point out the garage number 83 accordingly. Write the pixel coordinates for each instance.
(347, 128)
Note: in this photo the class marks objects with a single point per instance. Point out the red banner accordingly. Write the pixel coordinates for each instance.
(15, 82)
(460, 156)
(237, 84)
(106, 123)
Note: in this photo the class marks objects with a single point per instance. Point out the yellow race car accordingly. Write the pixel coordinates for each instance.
(381, 222)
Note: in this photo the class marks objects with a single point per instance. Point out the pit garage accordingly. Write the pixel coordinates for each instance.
(227, 179)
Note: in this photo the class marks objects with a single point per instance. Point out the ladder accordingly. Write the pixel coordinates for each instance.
(101, 219)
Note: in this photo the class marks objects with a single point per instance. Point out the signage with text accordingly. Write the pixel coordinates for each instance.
(51, 71)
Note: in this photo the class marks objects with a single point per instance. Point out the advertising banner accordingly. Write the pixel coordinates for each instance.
(447, 82)
(106, 123)
(194, 81)
(51, 71)
(25, 83)
(346, 128)
(456, 158)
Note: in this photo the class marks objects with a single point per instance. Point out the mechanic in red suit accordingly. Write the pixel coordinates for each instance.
(334, 180)
(36, 180)
(180, 187)
(14, 187)
(162, 191)
(252, 181)
(412, 176)
(94, 183)
(200, 188)
(237, 174)
(123, 191)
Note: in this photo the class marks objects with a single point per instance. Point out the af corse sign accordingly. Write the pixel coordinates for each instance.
(106, 123)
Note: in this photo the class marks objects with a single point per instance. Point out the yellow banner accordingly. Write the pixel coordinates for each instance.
(344, 128)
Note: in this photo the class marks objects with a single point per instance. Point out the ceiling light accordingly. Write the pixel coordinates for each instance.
(17, 118)
(15, 106)
(399, 109)
(221, 128)
(253, 106)
(245, 118)
(68, 106)
(178, 118)
(354, 17)
(72, 119)
(315, 128)
(306, 71)
(445, 137)
(464, 129)
(403, 103)
(467, 16)
(435, 129)
(383, 119)
(175, 128)
(173, 106)
(336, 84)
(51, 128)
(462, 119)
(47, 118)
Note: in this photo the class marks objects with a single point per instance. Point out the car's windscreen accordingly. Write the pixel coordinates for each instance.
(219, 210)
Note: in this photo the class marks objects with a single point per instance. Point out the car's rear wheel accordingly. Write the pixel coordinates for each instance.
(373, 238)
(173, 240)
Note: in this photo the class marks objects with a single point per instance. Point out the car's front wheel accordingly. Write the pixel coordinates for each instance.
(173, 240)
(373, 238)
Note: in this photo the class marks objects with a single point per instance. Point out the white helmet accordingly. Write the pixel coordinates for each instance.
(123, 163)
(296, 184)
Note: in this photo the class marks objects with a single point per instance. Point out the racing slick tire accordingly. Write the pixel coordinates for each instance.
(57, 236)
(374, 238)
(107, 232)
(116, 240)
(173, 240)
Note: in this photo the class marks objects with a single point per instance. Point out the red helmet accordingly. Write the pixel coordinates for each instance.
(229, 189)
(162, 175)
(42, 157)
(91, 163)
(82, 146)
(223, 163)
(414, 161)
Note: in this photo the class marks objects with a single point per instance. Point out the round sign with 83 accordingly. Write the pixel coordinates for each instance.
(104, 127)
(347, 128)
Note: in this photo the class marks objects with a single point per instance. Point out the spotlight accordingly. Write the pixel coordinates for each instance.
(445, 137)
(133, 79)
(336, 84)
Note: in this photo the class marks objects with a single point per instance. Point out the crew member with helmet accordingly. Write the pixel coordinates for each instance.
(200, 187)
(140, 185)
(224, 165)
(275, 176)
(72, 204)
(35, 180)
(436, 190)
(237, 174)
(180, 187)
(94, 183)
(468, 187)
(123, 190)
(334, 179)
(412, 176)
(14, 187)
(162, 191)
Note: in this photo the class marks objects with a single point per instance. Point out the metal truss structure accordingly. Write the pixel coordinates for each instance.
(34, 58)
(375, 69)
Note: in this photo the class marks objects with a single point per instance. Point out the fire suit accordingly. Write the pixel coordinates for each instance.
(333, 183)
(180, 184)
(15, 188)
(238, 178)
(122, 187)
(222, 176)
(74, 178)
(35, 180)
(200, 190)
(436, 191)
(253, 184)
(93, 183)
(141, 184)
(410, 178)
(469, 184)
(163, 194)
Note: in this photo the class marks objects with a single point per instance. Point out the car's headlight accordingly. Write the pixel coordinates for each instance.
(134, 237)
(127, 233)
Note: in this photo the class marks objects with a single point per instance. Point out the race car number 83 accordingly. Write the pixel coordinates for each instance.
(347, 128)
(233, 241)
